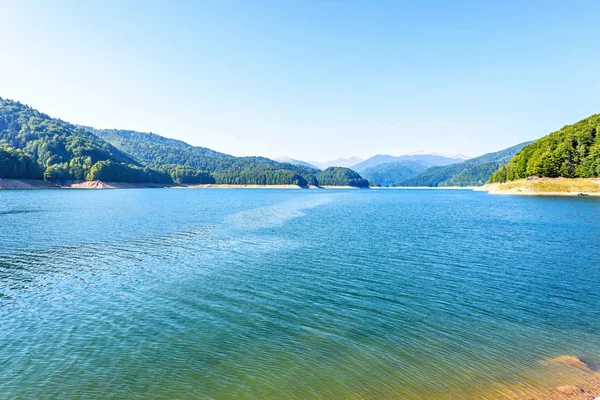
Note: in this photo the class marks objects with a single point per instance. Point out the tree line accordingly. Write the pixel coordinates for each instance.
(572, 152)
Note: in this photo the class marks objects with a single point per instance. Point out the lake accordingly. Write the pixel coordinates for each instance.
(292, 294)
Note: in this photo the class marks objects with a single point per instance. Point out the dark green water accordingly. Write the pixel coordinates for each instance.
(233, 294)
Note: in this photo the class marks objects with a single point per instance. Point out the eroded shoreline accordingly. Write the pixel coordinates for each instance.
(25, 184)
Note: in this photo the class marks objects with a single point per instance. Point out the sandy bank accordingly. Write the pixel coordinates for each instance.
(546, 187)
(13, 184)
(20, 184)
(37, 184)
(109, 185)
(17, 184)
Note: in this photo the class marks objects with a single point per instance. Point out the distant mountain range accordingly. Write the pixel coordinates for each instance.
(358, 164)
(347, 162)
(387, 170)
(425, 159)
(473, 172)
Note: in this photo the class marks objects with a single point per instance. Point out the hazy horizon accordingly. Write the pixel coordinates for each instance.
(310, 81)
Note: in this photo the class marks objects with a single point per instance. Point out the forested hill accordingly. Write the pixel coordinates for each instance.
(155, 150)
(341, 176)
(36, 146)
(473, 172)
(572, 152)
(60, 150)
(16, 164)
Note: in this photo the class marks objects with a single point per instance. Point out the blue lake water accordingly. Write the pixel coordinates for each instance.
(291, 294)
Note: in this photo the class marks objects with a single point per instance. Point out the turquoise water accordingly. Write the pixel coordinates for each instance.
(285, 294)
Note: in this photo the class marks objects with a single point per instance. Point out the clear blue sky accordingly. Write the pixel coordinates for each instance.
(310, 80)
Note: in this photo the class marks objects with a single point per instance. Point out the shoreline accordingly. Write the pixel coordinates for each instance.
(574, 187)
(17, 184)
(31, 184)
(564, 187)
(433, 187)
(228, 186)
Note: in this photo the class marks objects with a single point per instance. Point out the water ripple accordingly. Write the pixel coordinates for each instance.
(389, 294)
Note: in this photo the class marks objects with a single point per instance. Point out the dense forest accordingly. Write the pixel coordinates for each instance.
(156, 150)
(340, 176)
(62, 151)
(572, 152)
(36, 146)
(473, 172)
(185, 175)
(223, 168)
(17, 165)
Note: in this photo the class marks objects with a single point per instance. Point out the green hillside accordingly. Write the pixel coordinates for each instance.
(340, 176)
(572, 152)
(473, 172)
(16, 164)
(155, 150)
(61, 151)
